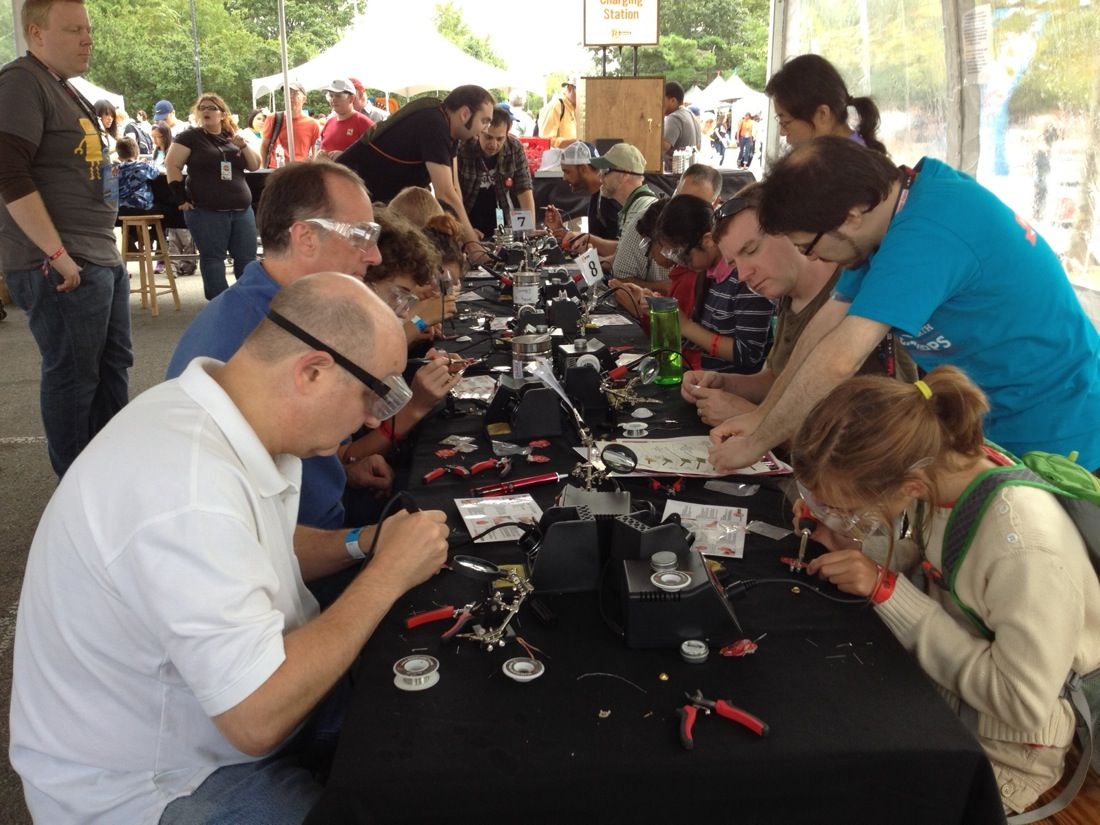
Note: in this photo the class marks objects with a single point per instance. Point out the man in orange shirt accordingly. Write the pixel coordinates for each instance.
(306, 131)
(745, 141)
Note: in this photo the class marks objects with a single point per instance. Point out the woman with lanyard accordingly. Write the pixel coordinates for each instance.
(216, 202)
(729, 322)
(1001, 629)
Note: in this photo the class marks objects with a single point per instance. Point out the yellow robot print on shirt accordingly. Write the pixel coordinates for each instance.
(91, 147)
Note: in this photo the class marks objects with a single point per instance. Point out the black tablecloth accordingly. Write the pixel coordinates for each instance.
(557, 192)
(858, 734)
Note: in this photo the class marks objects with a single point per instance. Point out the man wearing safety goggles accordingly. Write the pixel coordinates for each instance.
(175, 596)
(313, 218)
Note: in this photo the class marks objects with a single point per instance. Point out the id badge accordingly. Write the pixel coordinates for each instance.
(109, 173)
(227, 170)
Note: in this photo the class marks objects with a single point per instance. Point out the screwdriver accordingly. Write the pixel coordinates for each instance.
(806, 525)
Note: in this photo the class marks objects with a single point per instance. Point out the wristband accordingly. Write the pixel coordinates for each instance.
(389, 430)
(714, 341)
(351, 543)
(419, 323)
(60, 251)
(179, 192)
(885, 587)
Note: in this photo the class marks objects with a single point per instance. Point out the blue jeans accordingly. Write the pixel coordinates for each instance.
(216, 234)
(84, 338)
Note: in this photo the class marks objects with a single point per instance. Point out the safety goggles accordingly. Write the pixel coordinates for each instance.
(856, 524)
(682, 254)
(396, 297)
(391, 394)
(363, 236)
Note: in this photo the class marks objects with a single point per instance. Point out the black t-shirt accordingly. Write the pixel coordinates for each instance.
(603, 217)
(483, 215)
(397, 158)
(205, 186)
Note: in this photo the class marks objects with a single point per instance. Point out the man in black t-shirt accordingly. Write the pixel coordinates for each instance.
(491, 168)
(418, 148)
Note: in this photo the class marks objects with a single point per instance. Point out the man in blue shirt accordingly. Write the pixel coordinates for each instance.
(954, 272)
(306, 219)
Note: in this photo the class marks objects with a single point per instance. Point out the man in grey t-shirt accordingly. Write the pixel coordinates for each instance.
(59, 194)
(681, 130)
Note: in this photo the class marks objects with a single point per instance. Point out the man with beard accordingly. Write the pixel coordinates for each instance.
(581, 176)
(953, 272)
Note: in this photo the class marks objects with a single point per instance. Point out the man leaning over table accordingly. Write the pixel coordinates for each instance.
(166, 648)
(957, 276)
(308, 218)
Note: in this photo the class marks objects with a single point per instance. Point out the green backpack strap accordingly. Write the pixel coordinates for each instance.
(965, 518)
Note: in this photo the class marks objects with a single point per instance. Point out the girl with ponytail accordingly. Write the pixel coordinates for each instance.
(811, 100)
(875, 451)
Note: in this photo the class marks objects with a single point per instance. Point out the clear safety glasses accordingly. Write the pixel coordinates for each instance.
(855, 524)
(363, 236)
(390, 393)
(398, 298)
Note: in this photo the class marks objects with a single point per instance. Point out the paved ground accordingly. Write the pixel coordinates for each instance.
(27, 482)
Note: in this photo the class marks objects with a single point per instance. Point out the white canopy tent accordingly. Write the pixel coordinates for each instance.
(94, 93)
(420, 60)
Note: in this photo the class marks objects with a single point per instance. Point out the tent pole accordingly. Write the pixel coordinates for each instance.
(286, 81)
(195, 51)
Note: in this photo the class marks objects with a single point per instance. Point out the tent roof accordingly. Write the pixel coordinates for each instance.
(388, 63)
(94, 93)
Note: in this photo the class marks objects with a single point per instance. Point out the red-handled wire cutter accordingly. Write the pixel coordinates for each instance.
(453, 469)
(697, 702)
(502, 465)
(461, 615)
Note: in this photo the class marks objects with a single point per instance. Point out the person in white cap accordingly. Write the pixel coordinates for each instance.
(344, 125)
(581, 176)
(558, 119)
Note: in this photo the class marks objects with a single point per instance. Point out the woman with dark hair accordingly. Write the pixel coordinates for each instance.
(108, 120)
(162, 141)
(1001, 628)
(254, 127)
(216, 201)
(811, 100)
(728, 322)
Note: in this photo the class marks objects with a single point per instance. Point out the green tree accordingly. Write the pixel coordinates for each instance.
(450, 23)
(700, 38)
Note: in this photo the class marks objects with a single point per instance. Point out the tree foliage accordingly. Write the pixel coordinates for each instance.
(700, 38)
(450, 23)
(143, 48)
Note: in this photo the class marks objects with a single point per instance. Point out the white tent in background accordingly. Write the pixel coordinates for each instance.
(693, 95)
(418, 59)
(94, 93)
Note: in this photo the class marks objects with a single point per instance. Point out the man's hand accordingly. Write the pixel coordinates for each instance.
(372, 471)
(849, 570)
(412, 547)
(716, 406)
(699, 378)
(733, 444)
(553, 221)
(69, 270)
(432, 382)
(434, 309)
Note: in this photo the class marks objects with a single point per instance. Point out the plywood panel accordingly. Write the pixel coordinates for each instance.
(629, 108)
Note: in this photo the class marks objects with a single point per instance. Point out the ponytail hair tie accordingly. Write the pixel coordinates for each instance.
(925, 390)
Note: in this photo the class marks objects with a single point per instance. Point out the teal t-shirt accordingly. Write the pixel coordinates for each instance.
(963, 280)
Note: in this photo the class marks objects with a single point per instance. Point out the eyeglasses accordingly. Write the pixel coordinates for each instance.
(856, 524)
(807, 248)
(682, 255)
(363, 236)
(391, 394)
(209, 108)
(734, 206)
(396, 297)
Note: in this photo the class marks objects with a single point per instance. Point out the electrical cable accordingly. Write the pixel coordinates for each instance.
(741, 587)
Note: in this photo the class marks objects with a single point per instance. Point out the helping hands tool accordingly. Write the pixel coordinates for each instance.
(696, 702)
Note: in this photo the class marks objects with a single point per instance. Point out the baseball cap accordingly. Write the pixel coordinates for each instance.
(295, 86)
(340, 86)
(578, 154)
(163, 109)
(571, 81)
(622, 157)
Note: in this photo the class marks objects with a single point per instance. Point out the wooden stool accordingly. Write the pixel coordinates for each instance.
(144, 255)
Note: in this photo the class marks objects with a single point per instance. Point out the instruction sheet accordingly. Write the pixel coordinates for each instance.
(719, 531)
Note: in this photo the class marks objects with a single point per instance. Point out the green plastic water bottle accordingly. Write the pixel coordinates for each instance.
(664, 334)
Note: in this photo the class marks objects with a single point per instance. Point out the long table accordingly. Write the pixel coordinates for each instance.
(857, 733)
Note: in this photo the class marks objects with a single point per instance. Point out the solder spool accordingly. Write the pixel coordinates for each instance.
(416, 672)
(634, 429)
(694, 651)
(523, 669)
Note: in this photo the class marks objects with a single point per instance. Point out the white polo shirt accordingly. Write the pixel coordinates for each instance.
(158, 589)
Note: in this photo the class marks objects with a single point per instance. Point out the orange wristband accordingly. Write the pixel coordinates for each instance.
(885, 587)
(714, 341)
(60, 251)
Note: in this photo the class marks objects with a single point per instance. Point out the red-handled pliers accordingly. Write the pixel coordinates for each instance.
(461, 615)
(689, 712)
(455, 469)
(503, 465)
